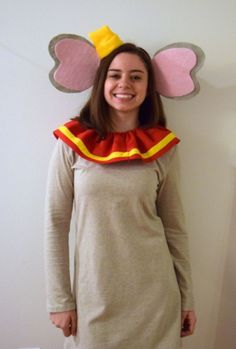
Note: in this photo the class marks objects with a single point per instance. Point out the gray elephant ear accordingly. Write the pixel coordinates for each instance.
(175, 68)
(76, 63)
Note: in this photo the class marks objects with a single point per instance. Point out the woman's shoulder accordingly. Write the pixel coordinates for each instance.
(73, 125)
(64, 153)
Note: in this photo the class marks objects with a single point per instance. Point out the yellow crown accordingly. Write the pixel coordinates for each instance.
(105, 41)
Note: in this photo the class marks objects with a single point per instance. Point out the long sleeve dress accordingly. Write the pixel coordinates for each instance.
(132, 273)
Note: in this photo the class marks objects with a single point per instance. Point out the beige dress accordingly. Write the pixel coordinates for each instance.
(132, 273)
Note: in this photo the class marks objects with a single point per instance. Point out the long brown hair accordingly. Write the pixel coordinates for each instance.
(95, 113)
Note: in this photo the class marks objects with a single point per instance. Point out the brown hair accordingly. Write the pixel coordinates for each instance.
(95, 113)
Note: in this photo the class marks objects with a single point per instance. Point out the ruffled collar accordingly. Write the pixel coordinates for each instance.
(144, 144)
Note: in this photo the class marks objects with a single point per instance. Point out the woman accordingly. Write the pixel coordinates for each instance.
(132, 283)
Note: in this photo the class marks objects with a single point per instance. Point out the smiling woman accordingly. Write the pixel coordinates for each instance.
(131, 61)
(117, 165)
(125, 90)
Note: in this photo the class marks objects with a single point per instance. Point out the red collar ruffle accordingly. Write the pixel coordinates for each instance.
(145, 144)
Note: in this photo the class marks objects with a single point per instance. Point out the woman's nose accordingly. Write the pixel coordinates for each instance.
(124, 81)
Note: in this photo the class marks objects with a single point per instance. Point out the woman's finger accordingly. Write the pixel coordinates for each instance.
(73, 325)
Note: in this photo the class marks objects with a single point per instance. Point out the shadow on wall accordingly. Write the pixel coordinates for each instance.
(207, 126)
(215, 109)
(219, 115)
(226, 326)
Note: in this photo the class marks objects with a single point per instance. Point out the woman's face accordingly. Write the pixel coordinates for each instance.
(126, 83)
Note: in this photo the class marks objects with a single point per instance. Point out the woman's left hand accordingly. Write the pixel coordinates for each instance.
(188, 322)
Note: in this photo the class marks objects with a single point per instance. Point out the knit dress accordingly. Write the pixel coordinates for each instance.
(132, 273)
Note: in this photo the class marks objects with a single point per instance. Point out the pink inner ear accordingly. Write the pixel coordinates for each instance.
(172, 68)
(78, 64)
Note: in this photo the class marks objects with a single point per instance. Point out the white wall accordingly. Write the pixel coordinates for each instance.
(31, 108)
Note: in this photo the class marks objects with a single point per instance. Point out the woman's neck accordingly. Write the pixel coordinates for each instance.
(123, 122)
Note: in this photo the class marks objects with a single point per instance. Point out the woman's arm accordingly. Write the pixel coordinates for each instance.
(169, 208)
(58, 211)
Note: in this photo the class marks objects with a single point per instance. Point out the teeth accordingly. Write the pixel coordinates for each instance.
(123, 96)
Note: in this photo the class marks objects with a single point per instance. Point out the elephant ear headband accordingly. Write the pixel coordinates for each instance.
(77, 61)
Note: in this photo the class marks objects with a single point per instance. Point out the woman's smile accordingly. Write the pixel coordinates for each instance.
(123, 96)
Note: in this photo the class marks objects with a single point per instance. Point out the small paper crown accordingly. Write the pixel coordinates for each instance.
(105, 41)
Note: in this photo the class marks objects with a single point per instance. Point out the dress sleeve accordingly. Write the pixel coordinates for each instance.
(169, 208)
(58, 211)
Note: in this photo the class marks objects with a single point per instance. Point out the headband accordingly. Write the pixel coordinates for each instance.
(77, 60)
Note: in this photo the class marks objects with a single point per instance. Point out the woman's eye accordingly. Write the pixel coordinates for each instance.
(135, 77)
(114, 76)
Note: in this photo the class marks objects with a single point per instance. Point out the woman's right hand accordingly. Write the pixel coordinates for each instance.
(66, 321)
